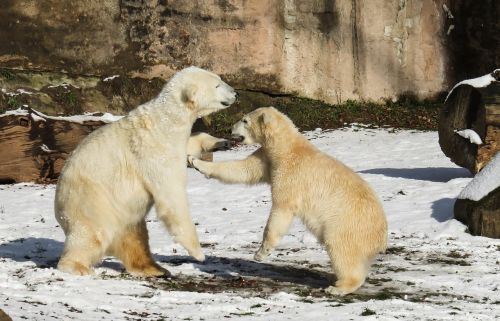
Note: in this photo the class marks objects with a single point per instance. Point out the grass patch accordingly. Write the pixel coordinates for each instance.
(309, 114)
(367, 312)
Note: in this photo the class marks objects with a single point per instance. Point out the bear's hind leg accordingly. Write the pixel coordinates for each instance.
(82, 250)
(350, 271)
(132, 248)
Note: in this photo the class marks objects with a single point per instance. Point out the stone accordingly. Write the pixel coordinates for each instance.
(325, 50)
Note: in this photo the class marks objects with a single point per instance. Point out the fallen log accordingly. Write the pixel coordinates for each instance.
(34, 146)
(4, 316)
(469, 106)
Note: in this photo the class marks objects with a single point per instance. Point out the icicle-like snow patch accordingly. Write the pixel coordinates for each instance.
(110, 78)
(478, 82)
(471, 135)
(484, 182)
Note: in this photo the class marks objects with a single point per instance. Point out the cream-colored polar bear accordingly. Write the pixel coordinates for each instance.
(336, 205)
(119, 171)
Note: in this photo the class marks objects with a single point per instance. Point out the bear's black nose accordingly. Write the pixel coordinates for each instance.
(237, 138)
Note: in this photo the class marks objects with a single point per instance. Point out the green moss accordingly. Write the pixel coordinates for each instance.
(7, 74)
(309, 114)
(13, 103)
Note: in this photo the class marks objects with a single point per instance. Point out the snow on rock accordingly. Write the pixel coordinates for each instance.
(471, 135)
(487, 180)
(478, 82)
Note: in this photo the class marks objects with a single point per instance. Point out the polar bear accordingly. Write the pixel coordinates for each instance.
(335, 204)
(115, 175)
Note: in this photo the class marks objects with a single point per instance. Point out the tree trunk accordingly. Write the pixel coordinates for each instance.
(471, 108)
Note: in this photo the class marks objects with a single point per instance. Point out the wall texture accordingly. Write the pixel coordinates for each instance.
(327, 50)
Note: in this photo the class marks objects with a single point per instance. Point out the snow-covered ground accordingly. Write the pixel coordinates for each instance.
(433, 269)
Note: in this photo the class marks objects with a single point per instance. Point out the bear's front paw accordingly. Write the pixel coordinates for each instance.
(200, 257)
(195, 163)
(190, 160)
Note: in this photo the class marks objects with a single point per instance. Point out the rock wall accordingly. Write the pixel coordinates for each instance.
(330, 50)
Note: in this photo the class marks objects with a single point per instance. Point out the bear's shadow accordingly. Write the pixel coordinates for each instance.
(433, 174)
(45, 253)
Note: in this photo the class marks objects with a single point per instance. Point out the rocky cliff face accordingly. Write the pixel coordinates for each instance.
(327, 50)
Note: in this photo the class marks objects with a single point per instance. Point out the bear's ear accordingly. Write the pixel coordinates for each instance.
(188, 96)
(266, 118)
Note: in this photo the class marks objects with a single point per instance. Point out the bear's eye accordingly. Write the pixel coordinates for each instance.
(217, 86)
(245, 121)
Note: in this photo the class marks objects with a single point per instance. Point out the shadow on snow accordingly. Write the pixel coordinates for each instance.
(432, 174)
(45, 253)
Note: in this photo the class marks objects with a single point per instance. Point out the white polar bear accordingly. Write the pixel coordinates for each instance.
(336, 205)
(119, 171)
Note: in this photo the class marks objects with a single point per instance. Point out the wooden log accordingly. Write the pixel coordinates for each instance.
(481, 217)
(33, 146)
(471, 108)
(4, 316)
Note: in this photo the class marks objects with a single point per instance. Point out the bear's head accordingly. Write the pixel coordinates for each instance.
(201, 91)
(262, 126)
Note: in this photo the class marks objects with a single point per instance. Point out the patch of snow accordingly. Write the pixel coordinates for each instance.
(448, 11)
(106, 117)
(478, 82)
(487, 180)
(39, 116)
(17, 112)
(433, 269)
(36, 118)
(23, 91)
(111, 78)
(64, 85)
(46, 149)
(450, 28)
(471, 135)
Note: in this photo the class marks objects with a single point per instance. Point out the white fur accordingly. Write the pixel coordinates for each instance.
(336, 205)
(118, 172)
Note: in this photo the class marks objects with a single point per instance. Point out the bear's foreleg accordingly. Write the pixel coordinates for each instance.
(166, 182)
(251, 170)
(277, 225)
(174, 213)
